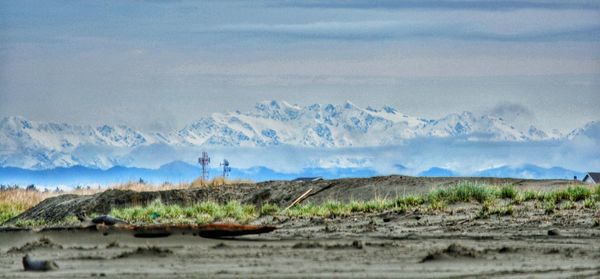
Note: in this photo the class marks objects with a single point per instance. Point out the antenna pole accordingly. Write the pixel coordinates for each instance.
(204, 161)
(226, 168)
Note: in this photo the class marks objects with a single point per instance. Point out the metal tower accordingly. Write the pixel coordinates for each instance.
(204, 161)
(226, 168)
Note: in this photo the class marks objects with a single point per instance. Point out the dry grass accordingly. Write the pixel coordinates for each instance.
(218, 181)
(14, 201)
(23, 199)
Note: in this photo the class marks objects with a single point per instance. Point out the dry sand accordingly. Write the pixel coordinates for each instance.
(452, 244)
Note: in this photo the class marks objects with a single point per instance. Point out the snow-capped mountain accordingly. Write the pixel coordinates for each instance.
(39, 145)
(590, 130)
(32, 144)
(346, 125)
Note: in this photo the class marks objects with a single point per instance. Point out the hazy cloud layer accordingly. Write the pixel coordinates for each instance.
(497, 5)
(397, 30)
(159, 64)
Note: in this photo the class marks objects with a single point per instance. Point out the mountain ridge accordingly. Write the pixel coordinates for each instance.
(182, 172)
(43, 145)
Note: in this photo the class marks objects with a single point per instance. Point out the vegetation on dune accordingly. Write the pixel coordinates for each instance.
(14, 200)
(494, 200)
(198, 213)
(501, 200)
(218, 181)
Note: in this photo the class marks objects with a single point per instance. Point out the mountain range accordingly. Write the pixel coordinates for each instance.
(181, 172)
(44, 145)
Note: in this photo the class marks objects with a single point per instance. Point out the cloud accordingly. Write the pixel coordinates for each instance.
(517, 114)
(416, 155)
(509, 110)
(492, 5)
(401, 30)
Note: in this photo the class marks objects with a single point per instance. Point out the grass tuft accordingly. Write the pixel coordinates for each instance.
(269, 209)
(589, 203)
(508, 192)
(462, 192)
(199, 213)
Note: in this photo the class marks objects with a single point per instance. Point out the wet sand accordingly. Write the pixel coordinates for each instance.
(530, 244)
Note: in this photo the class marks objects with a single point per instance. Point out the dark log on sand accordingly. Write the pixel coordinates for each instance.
(208, 230)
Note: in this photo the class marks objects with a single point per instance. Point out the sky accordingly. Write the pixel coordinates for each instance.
(159, 65)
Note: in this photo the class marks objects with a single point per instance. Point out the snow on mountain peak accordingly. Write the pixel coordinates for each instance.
(390, 110)
(32, 144)
(330, 125)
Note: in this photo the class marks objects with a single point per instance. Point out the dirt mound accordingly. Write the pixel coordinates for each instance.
(146, 251)
(43, 242)
(281, 193)
(56, 209)
(453, 251)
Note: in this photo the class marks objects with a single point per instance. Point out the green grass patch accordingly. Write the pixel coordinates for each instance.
(435, 200)
(568, 205)
(463, 192)
(508, 192)
(549, 207)
(7, 211)
(30, 223)
(269, 209)
(589, 203)
(571, 193)
(198, 213)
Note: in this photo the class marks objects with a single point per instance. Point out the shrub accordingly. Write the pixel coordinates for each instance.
(409, 201)
(549, 207)
(569, 205)
(508, 192)
(589, 203)
(462, 192)
(529, 195)
(579, 193)
(269, 209)
(485, 210)
(336, 208)
(437, 205)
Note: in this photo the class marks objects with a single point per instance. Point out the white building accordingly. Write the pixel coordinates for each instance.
(592, 178)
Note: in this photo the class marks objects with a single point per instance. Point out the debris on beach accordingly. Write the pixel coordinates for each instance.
(107, 220)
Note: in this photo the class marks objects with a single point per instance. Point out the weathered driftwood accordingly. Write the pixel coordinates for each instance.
(207, 230)
(299, 199)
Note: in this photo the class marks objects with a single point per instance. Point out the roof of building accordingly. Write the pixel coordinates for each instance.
(594, 175)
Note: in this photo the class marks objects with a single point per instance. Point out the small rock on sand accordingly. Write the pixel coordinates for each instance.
(30, 264)
(553, 232)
